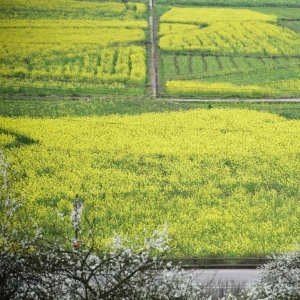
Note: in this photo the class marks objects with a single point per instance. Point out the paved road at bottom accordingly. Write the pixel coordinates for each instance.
(239, 276)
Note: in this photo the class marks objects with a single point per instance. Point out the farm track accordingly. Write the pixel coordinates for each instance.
(153, 55)
(171, 99)
(221, 278)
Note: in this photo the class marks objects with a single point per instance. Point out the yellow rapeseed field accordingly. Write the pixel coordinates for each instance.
(194, 87)
(226, 181)
(233, 33)
(191, 87)
(224, 30)
(84, 45)
(212, 15)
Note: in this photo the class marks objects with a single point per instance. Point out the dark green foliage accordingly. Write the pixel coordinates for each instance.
(20, 140)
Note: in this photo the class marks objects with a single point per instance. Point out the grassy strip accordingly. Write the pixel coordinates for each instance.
(56, 108)
(71, 107)
(290, 110)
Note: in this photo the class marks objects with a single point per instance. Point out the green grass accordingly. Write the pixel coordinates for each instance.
(247, 70)
(258, 75)
(63, 12)
(294, 25)
(288, 17)
(23, 87)
(280, 12)
(56, 108)
(290, 110)
(168, 66)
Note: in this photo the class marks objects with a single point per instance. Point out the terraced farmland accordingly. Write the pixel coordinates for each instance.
(251, 56)
(83, 48)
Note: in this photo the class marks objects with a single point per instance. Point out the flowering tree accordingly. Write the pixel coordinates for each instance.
(33, 266)
(20, 251)
(279, 279)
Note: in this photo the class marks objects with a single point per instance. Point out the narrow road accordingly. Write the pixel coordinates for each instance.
(215, 276)
(153, 71)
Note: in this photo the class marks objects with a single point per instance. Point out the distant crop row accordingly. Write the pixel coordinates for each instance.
(276, 82)
(210, 16)
(226, 181)
(123, 64)
(191, 66)
(59, 9)
(223, 89)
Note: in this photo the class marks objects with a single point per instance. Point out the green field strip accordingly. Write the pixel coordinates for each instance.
(270, 62)
(183, 63)
(197, 64)
(239, 70)
(294, 25)
(175, 61)
(219, 63)
(254, 62)
(41, 107)
(40, 87)
(257, 76)
(190, 66)
(240, 62)
(212, 63)
(169, 68)
(280, 12)
(230, 63)
(205, 64)
(68, 11)
(284, 61)
(294, 61)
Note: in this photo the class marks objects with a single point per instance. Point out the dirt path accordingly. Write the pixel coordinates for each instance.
(153, 56)
(171, 99)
